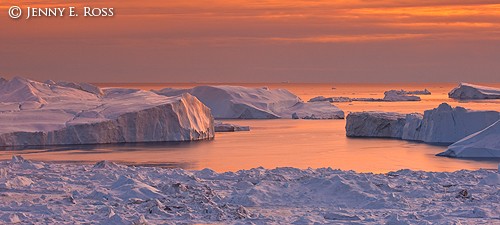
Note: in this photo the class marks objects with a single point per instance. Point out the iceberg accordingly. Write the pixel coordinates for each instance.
(235, 102)
(419, 92)
(227, 127)
(483, 144)
(35, 113)
(443, 125)
(330, 99)
(466, 91)
(395, 95)
(446, 125)
(375, 124)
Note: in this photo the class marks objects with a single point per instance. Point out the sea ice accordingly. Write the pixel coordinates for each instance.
(234, 102)
(72, 194)
(466, 91)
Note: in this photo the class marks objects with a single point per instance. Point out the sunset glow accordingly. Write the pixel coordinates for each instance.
(211, 31)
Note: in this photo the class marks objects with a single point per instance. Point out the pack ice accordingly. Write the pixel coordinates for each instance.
(466, 91)
(109, 193)
(234, 102)
(442, 125)
(35, 113)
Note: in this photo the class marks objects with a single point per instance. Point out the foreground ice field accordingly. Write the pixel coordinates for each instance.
(107, 193)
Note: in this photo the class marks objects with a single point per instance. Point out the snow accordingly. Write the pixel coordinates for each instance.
(443, 125)
(227, 127)
(466, 91)
(235, 102)
(76, 194)
(375, 124)
(34, 113)
(483, 144)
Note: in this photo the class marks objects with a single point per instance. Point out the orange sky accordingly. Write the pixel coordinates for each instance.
(257, 41)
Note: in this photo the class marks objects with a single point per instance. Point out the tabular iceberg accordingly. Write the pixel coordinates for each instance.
(330, 99)
(234, 102)
(483, 144)
(396, 96)
(228, 127)
(375, 124)
(466, 91)
(442, 125)
(34, 113)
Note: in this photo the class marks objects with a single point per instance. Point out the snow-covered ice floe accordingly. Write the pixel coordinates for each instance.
(235, 102)
(35, 113)
(466, 91)
(228, 127)
(483, 144)
(109, 193)
(442, 125)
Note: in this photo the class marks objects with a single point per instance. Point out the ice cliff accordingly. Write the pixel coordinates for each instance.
(375, 124)
(442, 125)
(35, 113)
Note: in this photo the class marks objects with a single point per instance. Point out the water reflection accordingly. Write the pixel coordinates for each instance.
(270, 143)
(287, 143)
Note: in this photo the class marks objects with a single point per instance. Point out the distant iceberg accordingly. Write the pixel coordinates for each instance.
(228, 127)
(396, 96)
(466, 91)
(483, 144)
(442, 125)
(330, 99)
(389, 96)
(235, 102)
(35, 113)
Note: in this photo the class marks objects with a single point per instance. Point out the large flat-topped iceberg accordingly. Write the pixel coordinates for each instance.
(375, 124)
(483, 144)
(235, 102)
(466, 91)
(442, 125)
(34, 113)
